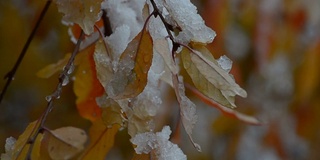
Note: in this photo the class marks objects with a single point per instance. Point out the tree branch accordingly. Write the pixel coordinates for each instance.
(10, 75)
(64, 76)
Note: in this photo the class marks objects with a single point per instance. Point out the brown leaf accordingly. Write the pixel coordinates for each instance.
(135, 62)
(66, 142)
(101, 140)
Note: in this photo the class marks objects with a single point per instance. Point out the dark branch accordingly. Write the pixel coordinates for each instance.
(10, 75)
(54, 96)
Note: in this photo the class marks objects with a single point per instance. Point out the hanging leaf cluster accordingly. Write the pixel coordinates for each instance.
(117, 77)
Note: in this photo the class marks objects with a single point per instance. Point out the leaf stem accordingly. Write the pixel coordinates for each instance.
(10, 75)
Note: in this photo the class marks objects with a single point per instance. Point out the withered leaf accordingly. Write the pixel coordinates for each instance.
(209, 78)
(66, 142)
(187, 108)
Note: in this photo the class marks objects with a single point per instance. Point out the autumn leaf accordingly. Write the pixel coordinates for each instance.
(103, 64)
(112, 114)
(162, 47)
(141, 156)
(101, 140)
(209, 77)
(51, 69)
(20, 148)
(187, 108)
(66, 142)
(87, 87)
(131, 77)
(83, 12)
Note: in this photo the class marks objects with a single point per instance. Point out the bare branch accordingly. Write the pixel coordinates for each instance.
(10, 75)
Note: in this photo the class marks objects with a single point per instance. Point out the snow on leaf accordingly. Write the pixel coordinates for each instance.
(83, 12)
(101, 140)
(131, 76)
(103, 64)
(19, 149)
(187, 108)
(209, 77)
(145, 106)
(226, 111)
(87, 87)
(66, 142)
(192, 25)
(159, 143)
(9, 149)
(132, 17)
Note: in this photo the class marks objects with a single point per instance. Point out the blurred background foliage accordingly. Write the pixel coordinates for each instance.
(275, 48)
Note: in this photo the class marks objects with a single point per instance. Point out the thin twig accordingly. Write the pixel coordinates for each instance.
(10, 75)
(39, 127)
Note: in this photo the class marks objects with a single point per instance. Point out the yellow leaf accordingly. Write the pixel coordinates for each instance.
(209, 77)
(35, 155)
(101, 141)
(112, 115)
(66, 142)
(140, 53)
(21, 147)
(51, 69)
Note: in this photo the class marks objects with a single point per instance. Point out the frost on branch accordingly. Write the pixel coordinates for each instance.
(82, 12)
(159, 143)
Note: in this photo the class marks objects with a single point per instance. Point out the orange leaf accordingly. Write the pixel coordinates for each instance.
(139, 51)
(87, 87)
(101, 140)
